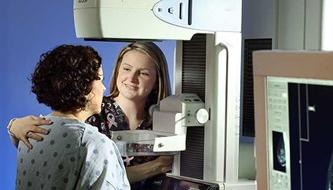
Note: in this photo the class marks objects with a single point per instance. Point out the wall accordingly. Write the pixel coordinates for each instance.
(258, 19)
(295, 24)
(29, 28)
(299, 24)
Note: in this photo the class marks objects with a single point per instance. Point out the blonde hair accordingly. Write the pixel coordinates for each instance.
(150, 49)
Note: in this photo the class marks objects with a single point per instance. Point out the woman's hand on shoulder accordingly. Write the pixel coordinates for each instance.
(28, 127)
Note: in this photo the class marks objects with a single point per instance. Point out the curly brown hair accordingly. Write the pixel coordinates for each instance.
(63, 77)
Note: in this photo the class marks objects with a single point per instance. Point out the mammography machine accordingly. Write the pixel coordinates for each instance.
(207, 64)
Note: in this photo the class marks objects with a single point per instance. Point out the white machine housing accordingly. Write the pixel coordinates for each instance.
(124, 19)
(154, 19)
(168, 136)
(174, 115)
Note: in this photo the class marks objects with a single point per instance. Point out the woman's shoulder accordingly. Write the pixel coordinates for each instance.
(91, 133)
(111, 117)
(108, 99)
(108, 104)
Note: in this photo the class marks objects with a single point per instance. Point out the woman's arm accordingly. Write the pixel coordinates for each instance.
(146, 170)
(20, 129)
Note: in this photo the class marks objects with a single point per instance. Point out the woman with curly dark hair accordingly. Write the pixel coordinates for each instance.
(140, 79)
(74, 155)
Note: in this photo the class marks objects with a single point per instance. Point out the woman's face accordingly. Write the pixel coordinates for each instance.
(96, 94)
(136, 76)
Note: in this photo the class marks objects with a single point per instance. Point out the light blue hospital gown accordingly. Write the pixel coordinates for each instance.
(73, 156)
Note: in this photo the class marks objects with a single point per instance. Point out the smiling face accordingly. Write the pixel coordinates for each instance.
(136, 76)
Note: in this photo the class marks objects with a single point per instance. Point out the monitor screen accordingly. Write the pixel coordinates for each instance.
(298, 113)
(279, 152)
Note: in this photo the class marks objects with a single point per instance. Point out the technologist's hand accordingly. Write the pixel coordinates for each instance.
(28, 127)
(161, 164)
(164, 163)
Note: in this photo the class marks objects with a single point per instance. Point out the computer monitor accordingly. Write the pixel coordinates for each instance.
(293, 99)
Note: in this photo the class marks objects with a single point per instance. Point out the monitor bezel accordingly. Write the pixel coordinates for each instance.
(278, 63)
